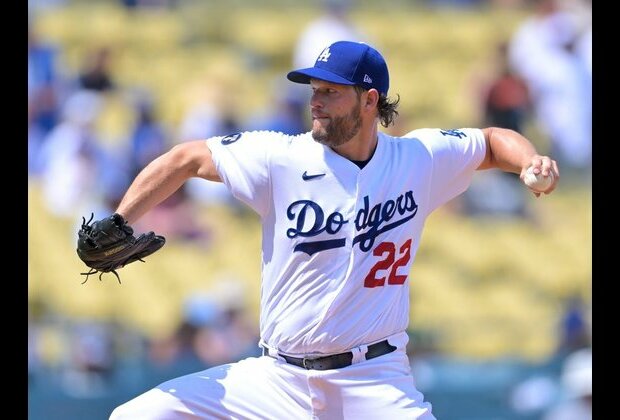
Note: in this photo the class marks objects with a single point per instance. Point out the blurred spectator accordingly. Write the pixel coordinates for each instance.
(76, 169)
(96, 74)
(210, 114)
(576, 383)
(542, 52)
(204, 120)
(224, 334)
(92, 360)
(201, 315)
(43, 94)
(214, 329)
(333, 25)
(287, 114)
(172, 354)
(495, 194)
(177, 349)
(148, 138)
(93, 348)
(241, 332)
(176, 354)
(506, 104)
(163, 350)
(176, 218)
(574, 332)
(506, 98)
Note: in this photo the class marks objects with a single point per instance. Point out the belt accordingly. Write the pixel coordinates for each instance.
(336, 361)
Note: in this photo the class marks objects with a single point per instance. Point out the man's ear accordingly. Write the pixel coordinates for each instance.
(372, 99)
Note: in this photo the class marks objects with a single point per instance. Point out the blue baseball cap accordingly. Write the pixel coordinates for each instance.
(347, 63)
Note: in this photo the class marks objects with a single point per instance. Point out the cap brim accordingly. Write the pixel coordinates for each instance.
(304, 76)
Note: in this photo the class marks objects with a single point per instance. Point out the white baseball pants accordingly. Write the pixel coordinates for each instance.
(266, 388)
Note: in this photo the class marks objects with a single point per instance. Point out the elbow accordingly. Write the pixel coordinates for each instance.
(181, 159)
(507, 150)
(193, 159)
(494, 131)
(493, 136)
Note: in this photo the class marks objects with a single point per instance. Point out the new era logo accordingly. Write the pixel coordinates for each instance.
(367, 79)
(324, 55)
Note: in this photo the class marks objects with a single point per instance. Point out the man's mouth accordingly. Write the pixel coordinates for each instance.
(319, 117)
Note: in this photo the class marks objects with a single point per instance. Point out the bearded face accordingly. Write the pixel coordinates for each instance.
(337, 130)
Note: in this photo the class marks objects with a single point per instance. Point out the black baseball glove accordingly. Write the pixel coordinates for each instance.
(109, 244)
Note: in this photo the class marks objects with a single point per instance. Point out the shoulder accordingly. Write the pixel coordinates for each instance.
(440, 139)
(420, 138)
(429, 135)
(273, 139)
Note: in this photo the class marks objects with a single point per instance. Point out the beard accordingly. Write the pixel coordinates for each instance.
(339, 130)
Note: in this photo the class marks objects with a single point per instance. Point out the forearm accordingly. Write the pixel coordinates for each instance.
(156, 182)
(507, 150)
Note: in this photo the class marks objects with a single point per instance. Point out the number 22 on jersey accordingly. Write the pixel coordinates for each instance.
(389, 260)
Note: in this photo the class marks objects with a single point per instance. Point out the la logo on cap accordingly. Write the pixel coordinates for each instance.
(347, 63)
(324, 55)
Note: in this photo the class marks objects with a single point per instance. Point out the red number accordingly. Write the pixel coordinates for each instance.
(405, 250)
(371, 279)
(384, 264)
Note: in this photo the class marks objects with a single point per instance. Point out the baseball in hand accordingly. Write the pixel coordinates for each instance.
(538, 183)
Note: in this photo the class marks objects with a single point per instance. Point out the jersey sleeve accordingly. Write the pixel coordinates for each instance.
(242, 161)
(455, 155)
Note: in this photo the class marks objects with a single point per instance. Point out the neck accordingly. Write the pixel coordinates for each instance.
(362, 146)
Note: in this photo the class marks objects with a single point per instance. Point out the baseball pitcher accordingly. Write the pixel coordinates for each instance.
(342, 210)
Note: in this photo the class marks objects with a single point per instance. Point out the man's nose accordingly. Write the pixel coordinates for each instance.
(315, 101)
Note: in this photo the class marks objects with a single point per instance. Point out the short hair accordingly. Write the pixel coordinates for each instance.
(385, 107)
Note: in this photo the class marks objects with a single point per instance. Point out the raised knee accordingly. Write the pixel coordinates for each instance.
(151, 405)
(119, 413)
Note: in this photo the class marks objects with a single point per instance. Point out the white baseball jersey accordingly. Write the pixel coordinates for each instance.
(338, 244)
(339, 241)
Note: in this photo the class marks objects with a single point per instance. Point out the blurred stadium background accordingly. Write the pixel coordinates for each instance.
(501, 287)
